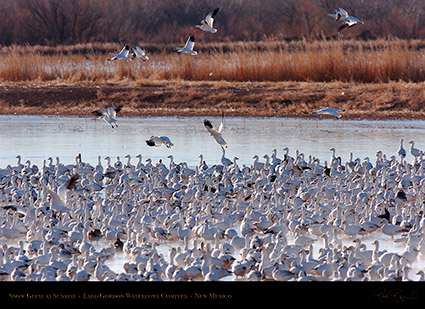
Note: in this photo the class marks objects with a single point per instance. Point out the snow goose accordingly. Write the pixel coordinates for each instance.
(256, 165)
(109, 115)
(216, 133)
(349, 22)
(59, 198)
(414, 151)
(401, 151)
(122, 55)
(138, 52)
(340, 13)
(81, 274)
(188, 48)
(329, 111)
(391, 230)
(207, 23)
(281, 274)
(156, 141)
(225, 161)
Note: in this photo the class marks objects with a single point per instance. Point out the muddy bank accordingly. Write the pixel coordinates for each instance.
(188, 98)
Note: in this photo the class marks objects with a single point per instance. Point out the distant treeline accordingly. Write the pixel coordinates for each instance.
(53, 22)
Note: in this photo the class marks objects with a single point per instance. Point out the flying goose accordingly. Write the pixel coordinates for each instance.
(329, 111)
(188, 48)
(139, 53)
(109, 114)
(340, 13)
(207, 23)
(123, 54)
(216, 133)
(349, 22)
(59, 196)
(159, 141)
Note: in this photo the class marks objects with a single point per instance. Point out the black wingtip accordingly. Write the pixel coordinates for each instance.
(192, 38)
(70, 185)
(215, 12)
(118, 108)
(150, 143)
(208, 124)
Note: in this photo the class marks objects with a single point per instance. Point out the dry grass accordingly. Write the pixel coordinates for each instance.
(319, 61)
(373, 79)
(193, 98)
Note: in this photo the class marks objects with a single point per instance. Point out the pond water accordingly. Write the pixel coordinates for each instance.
(36, 138)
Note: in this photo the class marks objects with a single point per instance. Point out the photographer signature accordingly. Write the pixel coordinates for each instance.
(393, 295)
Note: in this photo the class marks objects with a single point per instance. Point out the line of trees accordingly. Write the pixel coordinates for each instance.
(51, 22)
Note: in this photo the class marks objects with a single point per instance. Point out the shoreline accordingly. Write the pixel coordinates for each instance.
(174, 98)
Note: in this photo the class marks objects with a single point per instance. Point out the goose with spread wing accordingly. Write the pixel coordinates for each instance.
(59, 195)
(349, 22)
(159, 141)
(122, 55)
(340, 13)
(329, 111)
(207, 23)
(216, 133)
(188, 48)
(140, 53)
(109, 115)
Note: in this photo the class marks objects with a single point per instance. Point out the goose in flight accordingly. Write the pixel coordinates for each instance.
(123, 54)
(139, 53)
(59, 197)
(207, 23)
(330, 111)
(340, 13)
(188, 48)
(159, 141)
(349, 22)
(109, 114)
(216, 133)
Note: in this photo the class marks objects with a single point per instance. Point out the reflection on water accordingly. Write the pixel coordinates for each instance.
(36, 138)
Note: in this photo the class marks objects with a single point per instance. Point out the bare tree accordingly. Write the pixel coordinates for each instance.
(170, 21)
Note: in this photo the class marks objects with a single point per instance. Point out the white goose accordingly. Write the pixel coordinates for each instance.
(225, 161)
(414, 151)
(216, 133)
(188, 48)
(207, 23)
(109, 114)
(349, 22)
(340, 13)
(59, 197)
(329, 111)
(401, 151)
(159, 141)
(138, 52)
(122, 55)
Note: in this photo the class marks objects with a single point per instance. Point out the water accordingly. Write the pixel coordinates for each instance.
(37, 138)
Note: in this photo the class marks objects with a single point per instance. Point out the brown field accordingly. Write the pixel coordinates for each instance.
(368, 79)
(191, 98)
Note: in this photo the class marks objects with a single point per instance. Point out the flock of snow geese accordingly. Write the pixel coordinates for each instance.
(284, 219)
(207, 26)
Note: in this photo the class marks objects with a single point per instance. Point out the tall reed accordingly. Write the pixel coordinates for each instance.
(321, 61)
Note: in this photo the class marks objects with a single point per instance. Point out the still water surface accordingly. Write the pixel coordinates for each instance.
(36, 138)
